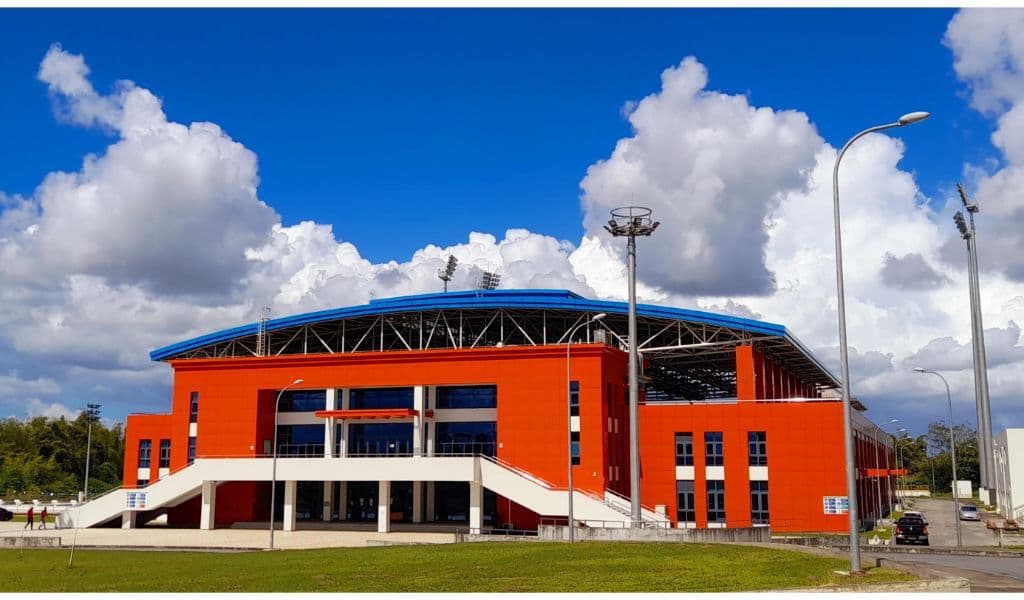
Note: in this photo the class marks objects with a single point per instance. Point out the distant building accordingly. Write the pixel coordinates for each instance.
(1008, 447)
(456, 408)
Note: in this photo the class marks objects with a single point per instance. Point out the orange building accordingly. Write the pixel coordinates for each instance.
(468, 408)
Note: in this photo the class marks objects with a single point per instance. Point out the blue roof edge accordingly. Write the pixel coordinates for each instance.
(540, 299)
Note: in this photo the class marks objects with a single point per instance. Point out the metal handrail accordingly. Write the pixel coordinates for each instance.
(626, 499)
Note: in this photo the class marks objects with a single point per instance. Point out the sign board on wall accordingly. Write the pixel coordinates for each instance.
(836, 505)
(135, 500)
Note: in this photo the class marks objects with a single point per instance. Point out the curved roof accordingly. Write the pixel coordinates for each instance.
(703, 330)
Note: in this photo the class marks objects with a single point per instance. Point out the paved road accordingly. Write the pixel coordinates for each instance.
(986, 573)
(942, 525)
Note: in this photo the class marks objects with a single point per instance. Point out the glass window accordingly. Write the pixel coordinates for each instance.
(191, 450)
(574, 438)
(713, 448)
(684, 449)
(574, 398)
(472, 396)
(759, 502)
(165, 454)
(685, 506)
(303, 400)
(193, 408)
(716, 501)
(757, 447)
(300, 440)
(142, 483)
(380, 439)
(145, 450)
(466, 438)
(380, 398)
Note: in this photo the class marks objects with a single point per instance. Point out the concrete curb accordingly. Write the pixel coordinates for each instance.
(947, 585)
(932, 550)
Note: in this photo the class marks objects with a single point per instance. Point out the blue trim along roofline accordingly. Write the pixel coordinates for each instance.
(539, 299)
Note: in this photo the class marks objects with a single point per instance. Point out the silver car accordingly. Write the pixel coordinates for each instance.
(969, 512)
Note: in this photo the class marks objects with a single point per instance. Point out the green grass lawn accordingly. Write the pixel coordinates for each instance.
(475, 567)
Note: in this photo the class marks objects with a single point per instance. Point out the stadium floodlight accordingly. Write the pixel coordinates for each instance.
(851, 464)
(446, 272)
(489, 281)
(629, 222)
(986, 460)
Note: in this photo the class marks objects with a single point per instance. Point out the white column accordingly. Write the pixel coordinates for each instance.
(384, 507)
(343, 450)
(343, 500)
(430, 501)
(419, 405)
(417, 502)
(328, 500)
(290, 496)
(209, 508)
(329, 424)
(128, 519)
(476, 506)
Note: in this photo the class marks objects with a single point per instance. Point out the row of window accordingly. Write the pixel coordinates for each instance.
(686, 508)
(476, 396)
(714, 448)
(450, 438)
(146, 451)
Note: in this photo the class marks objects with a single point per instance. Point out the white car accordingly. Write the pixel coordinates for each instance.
(969, 512)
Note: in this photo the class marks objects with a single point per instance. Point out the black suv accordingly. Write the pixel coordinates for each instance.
(911, 529)
(5, 515)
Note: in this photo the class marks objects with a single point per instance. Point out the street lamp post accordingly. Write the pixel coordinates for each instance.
(952, 455)
(273, 470)
(851, 467)
(568, 412)
(899, 463)
(629, 222)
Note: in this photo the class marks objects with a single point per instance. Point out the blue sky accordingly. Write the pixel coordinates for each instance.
(459, 120)
(403, 129)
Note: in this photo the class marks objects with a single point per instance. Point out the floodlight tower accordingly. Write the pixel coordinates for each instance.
(629, 222)
(985, 456)
(446, 272)
(489, 281)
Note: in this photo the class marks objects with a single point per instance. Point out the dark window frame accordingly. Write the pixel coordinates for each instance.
(686, 501)
(145, 453)
(716, 500)
(458, 397)
(574, 444)
(759, 513)
(684, 449)
(193, 408)
(757, 448)
(165, 454)
(714, 448)
(574, 398)
(191, 449)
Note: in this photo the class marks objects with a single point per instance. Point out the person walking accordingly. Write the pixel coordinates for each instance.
(28, 518)
(42, 519)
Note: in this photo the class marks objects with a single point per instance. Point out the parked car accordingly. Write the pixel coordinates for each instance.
(910, 530)
(917, 514)
(5, 515)
(969, 512)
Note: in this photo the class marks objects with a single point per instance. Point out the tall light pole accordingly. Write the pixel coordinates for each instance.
(273, 470)
(899, 461)
(952, 454)
(568, 411)
(851, 466)
(985, 456)
(888, 476)
(629, 222)
(92, 412)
